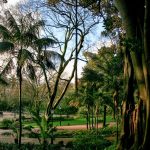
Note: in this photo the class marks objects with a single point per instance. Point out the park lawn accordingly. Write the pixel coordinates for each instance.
(78, 121)
(66, 122)
(71, 121)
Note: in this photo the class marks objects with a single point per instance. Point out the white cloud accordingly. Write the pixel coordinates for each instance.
(12, 2)
(9, 4)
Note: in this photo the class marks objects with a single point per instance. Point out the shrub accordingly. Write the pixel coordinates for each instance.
(4, 146)
(59, 118)
(68, 110)
(61, 143)
(6, 123)
(107, 130)
(63, 134)
(69, 144)
(90, 141)
(112, 147)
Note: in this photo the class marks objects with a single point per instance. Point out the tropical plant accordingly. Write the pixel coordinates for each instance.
(17, 37)
(45, 129)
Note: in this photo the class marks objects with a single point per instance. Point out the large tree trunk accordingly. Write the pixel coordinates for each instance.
(135, 24)
(128, 104)
(147, 70)
(138, 125)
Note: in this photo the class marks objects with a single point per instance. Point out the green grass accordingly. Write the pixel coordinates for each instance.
(78, 121)
(67, 121)
(109, 119)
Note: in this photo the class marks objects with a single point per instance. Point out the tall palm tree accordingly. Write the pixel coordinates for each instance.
(17, 36)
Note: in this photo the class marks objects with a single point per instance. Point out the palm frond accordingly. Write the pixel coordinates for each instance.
(9, 66)
(36, 117)
(34, 28)
(3, 81)
(52, 54)
(6, 46)
(49, 64)
(11, 22)
(28, 38)
(31, 71)
(44, 42)
(4, 33)
(26, 19)
(37, 25)
(23, 55)
(49, 57)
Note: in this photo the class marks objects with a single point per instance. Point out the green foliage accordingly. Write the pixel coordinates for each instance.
(92, 75)
(15, 126)
(68, 110)
(3, 81)
(90, 141)
(6, 46)
(5, 105)
(93, 139)
(11, 104)
(69, 144)
(107, 131)
(133, 45)
(102, 76)
(45, 127)
(44, 42)
(6, 123)
(112, 147)
(4, 146)
(64, 133)
(4, 32)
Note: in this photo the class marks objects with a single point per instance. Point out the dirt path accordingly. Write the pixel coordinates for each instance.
(71, 127)
(10, 138)
(82, 127)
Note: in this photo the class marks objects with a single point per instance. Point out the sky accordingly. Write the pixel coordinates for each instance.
(11, 2)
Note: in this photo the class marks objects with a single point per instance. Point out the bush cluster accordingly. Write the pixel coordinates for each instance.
(4, 146)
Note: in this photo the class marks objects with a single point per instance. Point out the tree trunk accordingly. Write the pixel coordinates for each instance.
(104, 117)
(20, 106)
(76, 51)
(147, 71)
(92, 118)
(138, 125)
(140, 56)
(87, 121)
(97, 121)
(128, 104)
(115, 100)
